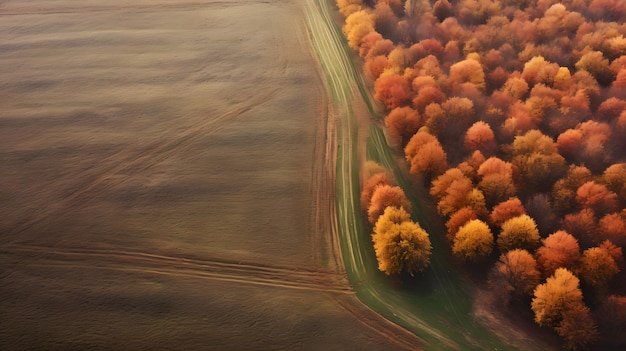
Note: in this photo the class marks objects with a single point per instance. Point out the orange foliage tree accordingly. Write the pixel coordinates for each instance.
(426, 156)
(506, 210)
(403, 123)
(516, 273)
(559, 249)
(385, 196)
(558, 303)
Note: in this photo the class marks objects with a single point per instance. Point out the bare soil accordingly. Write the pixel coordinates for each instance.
(167, 171)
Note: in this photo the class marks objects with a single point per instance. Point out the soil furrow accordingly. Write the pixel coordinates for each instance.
(236, 272)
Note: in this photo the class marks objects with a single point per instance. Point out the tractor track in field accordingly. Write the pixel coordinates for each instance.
(119, 167)
(21, 9)
(134, 261)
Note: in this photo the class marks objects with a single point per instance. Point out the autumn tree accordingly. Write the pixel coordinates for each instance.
(370, 185)
(385, 196)
(614, 177)
(401, 245)
(597, 65)
(558, 303)
(611, 317)
(516, 273)
(459, 219)
(452, 189)
(506, 210)
(425, 156)
(358, 24)
(564, 190)
(597, 267)
(583, 226)
(539, 207)
(613, 227)
(578, 328)
(473, 241)
(393, 90)
(348, 7)
(597, 198)
(519, 233)
(480, 137)
(403, 123)
(467, 71)
(555, 297)
(537, 157)
(559, 249)
(496, 180)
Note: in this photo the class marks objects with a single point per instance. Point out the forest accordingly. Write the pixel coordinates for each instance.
(512, 113)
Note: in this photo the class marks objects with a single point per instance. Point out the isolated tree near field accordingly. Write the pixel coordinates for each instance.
(597, 198)
(519, 233)
(400, 244)
(480, 137)
(370, 186)
(597, 267)
(473, 241)
(560, 293)
(459, 219)
(516, 272)
(559, 249)
(506, 210)
(385, 196)
(403, 123)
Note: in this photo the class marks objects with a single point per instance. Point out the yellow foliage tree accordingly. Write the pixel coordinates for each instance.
(358, 24)
(473, 241)
(597, 267)
(401, 245)
(555, 297)
(519, 233)
(558, 303)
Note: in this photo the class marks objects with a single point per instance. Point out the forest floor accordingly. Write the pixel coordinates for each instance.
(168, 182)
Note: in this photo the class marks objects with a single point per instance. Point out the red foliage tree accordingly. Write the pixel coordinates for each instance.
(403, 123)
